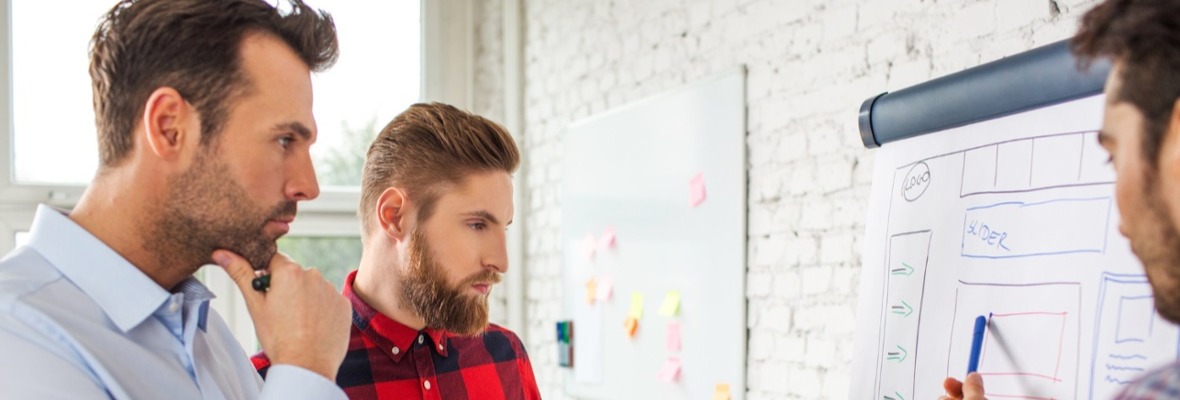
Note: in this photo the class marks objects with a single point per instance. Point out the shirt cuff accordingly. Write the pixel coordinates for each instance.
(291, 382)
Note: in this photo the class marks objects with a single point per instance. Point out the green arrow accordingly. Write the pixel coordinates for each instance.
(905, 269)
(898, 356)
(896, 396)
(903, 310)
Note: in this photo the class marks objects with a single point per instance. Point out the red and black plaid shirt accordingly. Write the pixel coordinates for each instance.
(387, 360)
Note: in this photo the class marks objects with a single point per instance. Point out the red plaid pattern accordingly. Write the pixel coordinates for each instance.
(387, 360)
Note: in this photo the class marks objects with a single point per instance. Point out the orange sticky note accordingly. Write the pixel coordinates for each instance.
(721, 392)
(591, 291)
(696, 190)
(673, 338)
(630, 327)
(607, 240)
(605, 289)
(588, 246)
(671, 371)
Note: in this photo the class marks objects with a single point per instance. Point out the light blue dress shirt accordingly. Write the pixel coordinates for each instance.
(78, 321)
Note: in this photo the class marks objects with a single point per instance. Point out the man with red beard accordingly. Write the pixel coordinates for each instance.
(204, 117)
(436, 200)
(1141, 131)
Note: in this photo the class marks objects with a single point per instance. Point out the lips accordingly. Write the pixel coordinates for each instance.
(482, 288)
(277, 227)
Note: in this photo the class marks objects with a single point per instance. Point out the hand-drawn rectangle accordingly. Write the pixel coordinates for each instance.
(1019, 229)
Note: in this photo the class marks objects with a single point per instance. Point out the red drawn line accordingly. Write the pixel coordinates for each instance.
(1010, 396)
(1060, 342)
(1029, 313)
(1020, 374)
(1060, 346)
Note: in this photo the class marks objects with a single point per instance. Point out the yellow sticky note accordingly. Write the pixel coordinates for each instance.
(636, 306)
(671, 304)
(591, 291)
(721, 392)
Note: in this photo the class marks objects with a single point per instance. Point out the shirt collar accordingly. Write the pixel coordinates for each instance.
(124, 292)
(387, 333)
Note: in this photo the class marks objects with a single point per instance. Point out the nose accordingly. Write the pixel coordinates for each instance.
(497, 255)
(303, 184)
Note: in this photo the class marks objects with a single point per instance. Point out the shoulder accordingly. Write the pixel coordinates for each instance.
(499, 336)
(502, 332)
(1160, 383)
(23, 272)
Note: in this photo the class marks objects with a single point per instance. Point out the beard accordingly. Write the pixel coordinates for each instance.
(206, 210)
(440, 305)
(1156, 242)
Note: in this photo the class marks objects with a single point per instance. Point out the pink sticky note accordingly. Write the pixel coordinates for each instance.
(605, 289)
(673, 337)
(607, 240)
(671, 371)
(696, 190)
(587, 247)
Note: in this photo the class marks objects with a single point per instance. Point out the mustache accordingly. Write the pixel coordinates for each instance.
(489, 277)
(284, 210)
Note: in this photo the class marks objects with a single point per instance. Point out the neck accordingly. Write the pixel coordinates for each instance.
(119, 215)
(378, 285)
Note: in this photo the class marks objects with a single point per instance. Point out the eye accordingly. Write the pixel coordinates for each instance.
(286, 141)
(478, 226)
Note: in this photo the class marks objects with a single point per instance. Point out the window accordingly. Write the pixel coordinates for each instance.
(52, 115)
(376, 77)
(335, 256)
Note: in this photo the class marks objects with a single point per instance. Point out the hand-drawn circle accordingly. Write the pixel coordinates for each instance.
(916, 182)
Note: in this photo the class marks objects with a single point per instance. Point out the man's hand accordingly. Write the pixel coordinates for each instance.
(301, 320)
(970, 389)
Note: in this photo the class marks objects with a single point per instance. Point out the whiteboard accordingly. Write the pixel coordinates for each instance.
(630, 169)
(1012, 219)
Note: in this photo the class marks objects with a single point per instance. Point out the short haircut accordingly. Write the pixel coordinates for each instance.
(427, 147)
(191, 46)
(1144, 36)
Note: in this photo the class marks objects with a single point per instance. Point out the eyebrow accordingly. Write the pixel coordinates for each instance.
(303, 131)
(485, 215)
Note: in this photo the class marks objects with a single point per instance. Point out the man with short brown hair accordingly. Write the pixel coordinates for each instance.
(1141, 131)
(436, 200)
(204, 119)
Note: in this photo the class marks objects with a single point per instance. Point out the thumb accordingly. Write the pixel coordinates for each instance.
(973, 386)
(238, 268)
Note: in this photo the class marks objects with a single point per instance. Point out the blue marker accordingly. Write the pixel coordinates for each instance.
(976, 344)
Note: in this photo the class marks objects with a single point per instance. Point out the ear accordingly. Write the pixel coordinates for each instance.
(391, 213)
(167, 119)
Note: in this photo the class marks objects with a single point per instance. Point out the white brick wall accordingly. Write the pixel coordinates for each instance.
(810, 63)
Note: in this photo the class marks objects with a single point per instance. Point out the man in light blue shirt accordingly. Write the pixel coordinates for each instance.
(204, 118)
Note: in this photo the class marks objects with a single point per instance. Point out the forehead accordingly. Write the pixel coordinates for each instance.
(279, 81)
(491, 191)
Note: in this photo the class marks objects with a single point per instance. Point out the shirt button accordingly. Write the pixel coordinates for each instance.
(421, 339)
(396, 350)
(173, 307)
(426, 384)
(440, 347)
